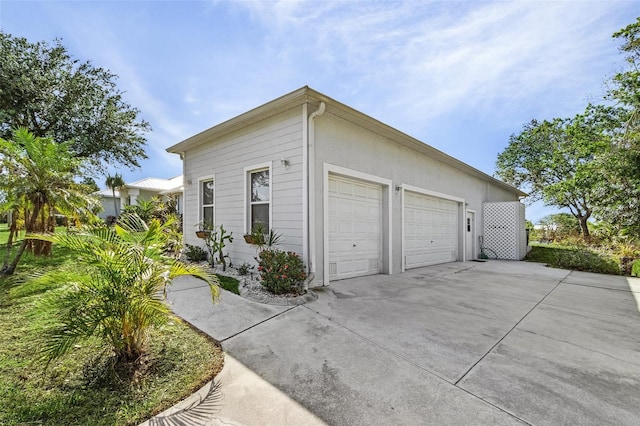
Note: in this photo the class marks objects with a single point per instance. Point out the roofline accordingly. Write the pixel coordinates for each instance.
(136, 184)
(262, 112)
(306, 94)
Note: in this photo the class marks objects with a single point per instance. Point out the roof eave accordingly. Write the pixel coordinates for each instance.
(305, 94)
(248, 118)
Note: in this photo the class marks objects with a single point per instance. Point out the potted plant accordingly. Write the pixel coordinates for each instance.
(261, 238)
(203, 231)
(256, 237)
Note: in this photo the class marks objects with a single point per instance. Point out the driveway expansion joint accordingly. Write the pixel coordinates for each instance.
(260, 322)
(182, 290)
(386, 349)
(623, 290)
(511, 329)
(566, 342)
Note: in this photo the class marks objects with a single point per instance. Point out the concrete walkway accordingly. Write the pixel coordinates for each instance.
(465, 343)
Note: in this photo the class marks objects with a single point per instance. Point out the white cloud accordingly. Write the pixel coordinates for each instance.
(432, 58)
(425, 67)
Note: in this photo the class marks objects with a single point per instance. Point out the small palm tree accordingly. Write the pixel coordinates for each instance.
(38, 179)
(115, 182)
(118, 292)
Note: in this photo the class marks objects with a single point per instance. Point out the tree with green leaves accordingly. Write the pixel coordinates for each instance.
(619, 199)
(558, 161)
(90, 184)
(38, 179)
(45, 90)
(558, 226)
(117, 295)
(115, 182)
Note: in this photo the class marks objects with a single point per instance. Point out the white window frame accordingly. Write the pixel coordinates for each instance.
(201, 204)
(247, 185)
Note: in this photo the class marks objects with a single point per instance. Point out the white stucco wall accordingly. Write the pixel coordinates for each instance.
(225, 159)
(108, 208)
(337, 144)
(344, 144)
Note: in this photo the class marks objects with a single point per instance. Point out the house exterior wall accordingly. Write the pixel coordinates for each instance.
(130, 196)
(344, 144)
(227, 160)
(108, 208)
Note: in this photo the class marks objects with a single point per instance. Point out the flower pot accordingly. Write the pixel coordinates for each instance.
(248, 239)
(203, 234)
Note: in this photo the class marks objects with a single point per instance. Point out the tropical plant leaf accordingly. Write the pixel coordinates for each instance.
(117, 292)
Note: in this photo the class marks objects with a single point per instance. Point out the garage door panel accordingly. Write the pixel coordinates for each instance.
(431, 230)
(356, 212)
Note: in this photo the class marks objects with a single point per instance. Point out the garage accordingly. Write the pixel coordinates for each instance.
(430, 230)
(355, 227)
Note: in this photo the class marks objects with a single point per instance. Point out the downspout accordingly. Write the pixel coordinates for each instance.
(305, 189)
(183, 211)
(184, 184)
(311, 229)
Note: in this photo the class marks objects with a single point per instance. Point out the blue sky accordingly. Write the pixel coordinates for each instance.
(460, 76)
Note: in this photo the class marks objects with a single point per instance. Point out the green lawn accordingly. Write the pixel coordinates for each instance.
(83, 387)
(229, 283)
(4, 233)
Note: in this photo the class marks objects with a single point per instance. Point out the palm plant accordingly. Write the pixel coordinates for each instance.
(38, 179)
(118, 293)
(115, 182)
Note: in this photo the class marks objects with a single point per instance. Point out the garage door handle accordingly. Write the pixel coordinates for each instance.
(354, 245)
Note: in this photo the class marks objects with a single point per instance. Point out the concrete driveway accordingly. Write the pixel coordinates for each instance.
(465, 343)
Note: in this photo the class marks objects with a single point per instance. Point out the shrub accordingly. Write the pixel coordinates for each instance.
(585, 260)
(195, 253)
(635, 269)
(244, 268)
(280, 272)
(117, 296)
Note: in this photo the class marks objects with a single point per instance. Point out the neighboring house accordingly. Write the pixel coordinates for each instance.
(350, 194)
(144, 189)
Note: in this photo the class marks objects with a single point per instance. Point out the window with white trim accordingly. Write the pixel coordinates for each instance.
(207, 203)
(259, 198)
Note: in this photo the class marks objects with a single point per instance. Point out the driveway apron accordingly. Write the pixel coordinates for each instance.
(463, 343)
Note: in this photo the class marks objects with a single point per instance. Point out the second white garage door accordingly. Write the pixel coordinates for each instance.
(430, 230)
(355, 228)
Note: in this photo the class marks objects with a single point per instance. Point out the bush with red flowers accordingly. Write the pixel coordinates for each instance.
(281, 272)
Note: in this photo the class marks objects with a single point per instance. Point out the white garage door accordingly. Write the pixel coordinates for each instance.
(430, 230)
(355, 228)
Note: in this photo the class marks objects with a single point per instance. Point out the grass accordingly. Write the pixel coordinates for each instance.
(229, 283)
(4, 234)
(574, 258)
(85, 387)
